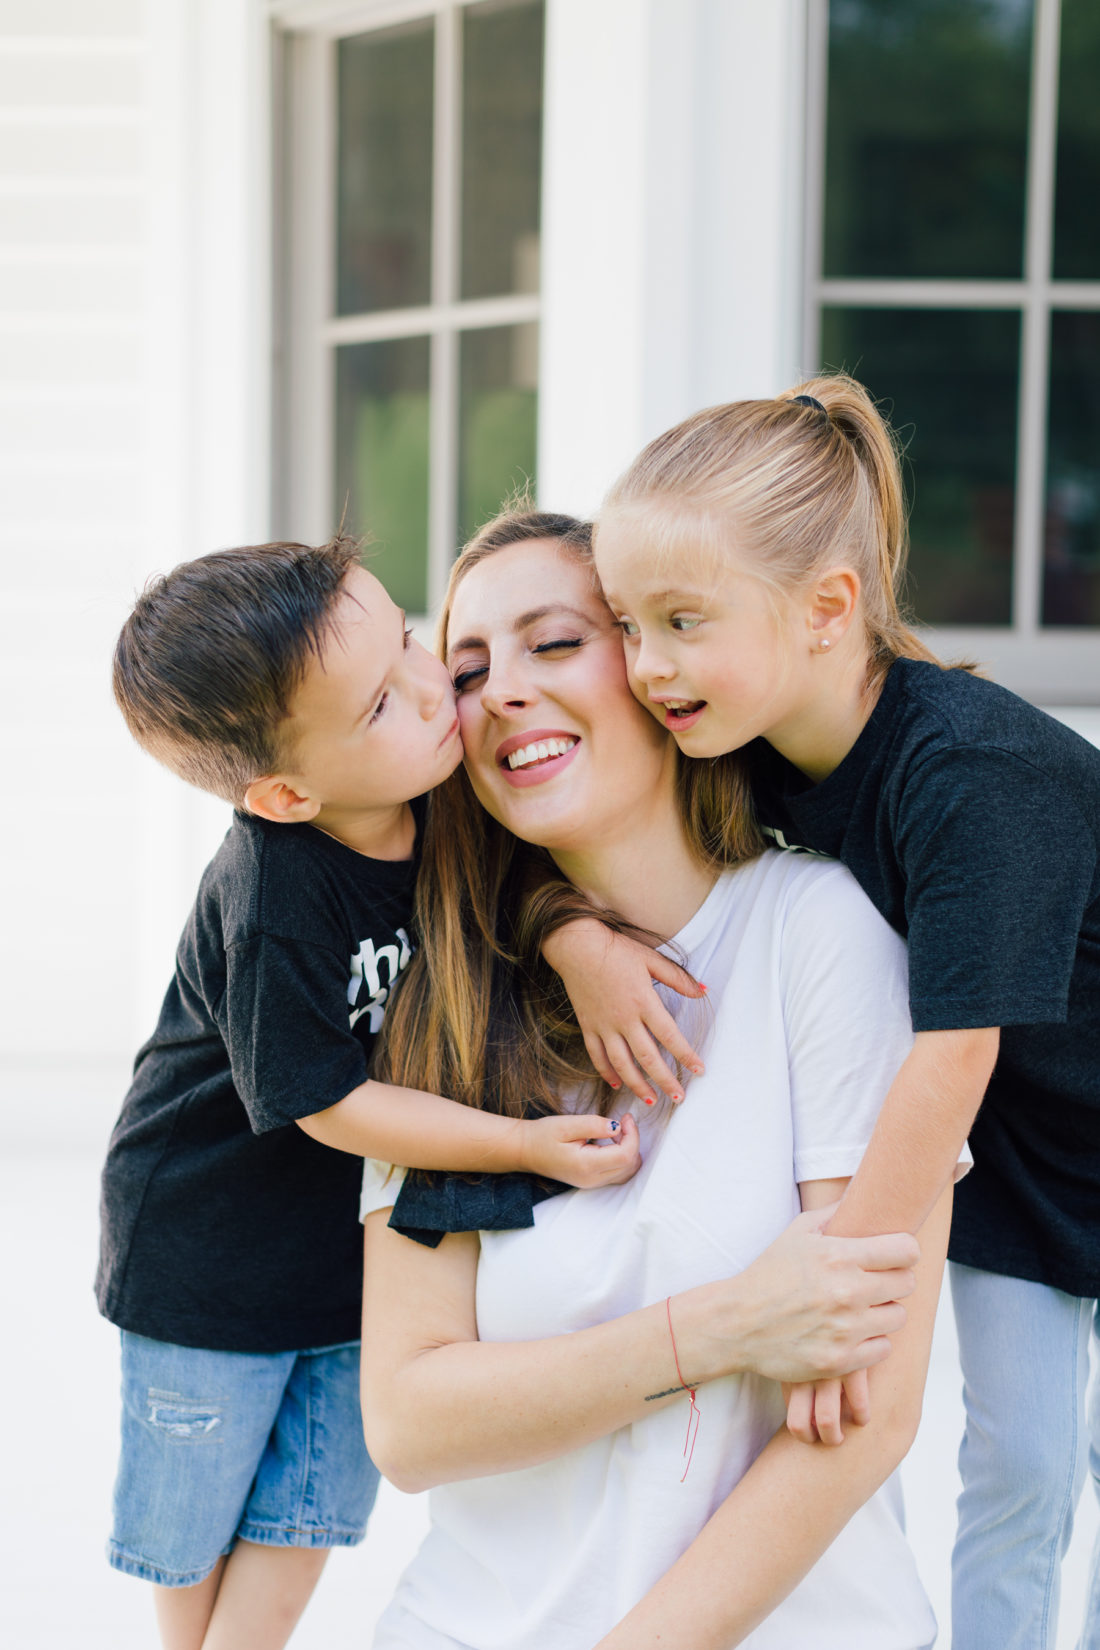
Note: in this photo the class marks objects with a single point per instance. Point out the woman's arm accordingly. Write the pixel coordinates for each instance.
(439, 1405)
(795, 1498)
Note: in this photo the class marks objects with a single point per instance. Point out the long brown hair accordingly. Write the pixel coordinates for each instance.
(480, 1016)
(798, 487)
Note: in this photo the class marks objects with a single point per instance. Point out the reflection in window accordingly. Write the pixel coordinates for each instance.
(384, 169)
(1071, 581)
(949, 383)
(382, 460)
(501, 147)
(1076, 212)
(499, 373)
(927, 137)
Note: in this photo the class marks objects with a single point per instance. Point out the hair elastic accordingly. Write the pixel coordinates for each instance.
(693, 1413)
(812, 401)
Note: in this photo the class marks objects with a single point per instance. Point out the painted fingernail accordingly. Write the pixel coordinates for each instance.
(702, 987)
(614, 1126)
(676, 1098)
(616, 1085)
(649, 1100)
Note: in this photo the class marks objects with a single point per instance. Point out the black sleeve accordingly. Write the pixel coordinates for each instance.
(284, 1019)
(998, 862)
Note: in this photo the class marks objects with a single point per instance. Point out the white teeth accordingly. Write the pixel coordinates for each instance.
(541, 751)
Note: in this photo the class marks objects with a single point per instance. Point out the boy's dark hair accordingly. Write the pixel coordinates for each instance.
(208, 661)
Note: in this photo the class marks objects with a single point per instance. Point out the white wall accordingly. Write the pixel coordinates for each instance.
(133, 346)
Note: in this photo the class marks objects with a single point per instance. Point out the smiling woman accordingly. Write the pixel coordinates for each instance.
(537, 1379)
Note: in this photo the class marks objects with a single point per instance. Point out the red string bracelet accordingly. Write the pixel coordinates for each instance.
(693, 1414)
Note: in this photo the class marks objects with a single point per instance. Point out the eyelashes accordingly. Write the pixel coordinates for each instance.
(561, 644)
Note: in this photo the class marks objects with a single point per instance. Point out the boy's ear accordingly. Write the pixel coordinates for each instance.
(833, 603)
(272, 798)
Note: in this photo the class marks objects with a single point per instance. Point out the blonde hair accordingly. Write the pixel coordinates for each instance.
(480, 1016)
(797, 488)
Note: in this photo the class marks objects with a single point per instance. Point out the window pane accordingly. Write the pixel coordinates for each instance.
(927, 137)
(501, 147)
(948, 380)
(1071, 584)
(384, 169)
(499, 368)
(382, 460)
(1076, 216)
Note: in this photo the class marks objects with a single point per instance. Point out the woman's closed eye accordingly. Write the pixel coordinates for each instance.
(561, 645)
(465, 678)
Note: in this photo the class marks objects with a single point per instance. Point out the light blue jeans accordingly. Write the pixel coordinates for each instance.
(1024, 1350)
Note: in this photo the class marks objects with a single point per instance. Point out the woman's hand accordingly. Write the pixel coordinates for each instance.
(810, 1306)
(610, 981)
(582, 1151)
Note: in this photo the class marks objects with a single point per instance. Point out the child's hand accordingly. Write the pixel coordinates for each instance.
(817, 1409)
(564, 1148)
(610, 981)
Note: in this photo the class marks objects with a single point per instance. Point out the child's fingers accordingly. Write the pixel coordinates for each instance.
(622, 1063)
(827, 1396)
(664, 1030)
(660, 1075)
(623, 1160)
(800, 1413)
(585, 1126)
(857, 1391)
(597, 1053)
(670, 973)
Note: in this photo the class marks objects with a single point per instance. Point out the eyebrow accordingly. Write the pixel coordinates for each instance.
(373, 698)
(531, 617)
(680, 595)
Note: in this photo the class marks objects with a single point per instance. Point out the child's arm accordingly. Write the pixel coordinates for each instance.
(610, 979)
(418, 1130)
(911, 1156)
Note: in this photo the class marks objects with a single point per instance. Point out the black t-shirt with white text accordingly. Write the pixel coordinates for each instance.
(224, 1225)
(972, 821)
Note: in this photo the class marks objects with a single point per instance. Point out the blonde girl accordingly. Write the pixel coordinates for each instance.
(753, 557)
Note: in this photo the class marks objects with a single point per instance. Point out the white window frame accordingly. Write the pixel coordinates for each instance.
(306, 38)
(1054, 664)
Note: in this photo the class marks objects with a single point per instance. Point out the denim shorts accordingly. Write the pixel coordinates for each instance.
(221, 1446)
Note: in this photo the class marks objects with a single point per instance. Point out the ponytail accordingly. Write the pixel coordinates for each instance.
(805, 481)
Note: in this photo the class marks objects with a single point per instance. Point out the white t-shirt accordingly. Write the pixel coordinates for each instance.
(809, 1023)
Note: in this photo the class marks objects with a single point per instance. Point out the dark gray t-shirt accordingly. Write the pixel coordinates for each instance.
(223, 1224)
(972, 820)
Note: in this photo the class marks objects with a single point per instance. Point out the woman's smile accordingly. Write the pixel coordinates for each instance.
(557, 748)
(533, 757)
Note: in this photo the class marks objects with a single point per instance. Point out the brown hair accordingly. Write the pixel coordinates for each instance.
(480, 1015)
(207, 663)
(800, 488)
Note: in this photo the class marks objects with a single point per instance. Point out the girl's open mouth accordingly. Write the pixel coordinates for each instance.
(681, 713)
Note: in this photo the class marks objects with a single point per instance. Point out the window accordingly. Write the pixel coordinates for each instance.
(412, 181)
(955, 163)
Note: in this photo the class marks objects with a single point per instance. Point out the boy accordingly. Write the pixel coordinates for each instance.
(281, 678)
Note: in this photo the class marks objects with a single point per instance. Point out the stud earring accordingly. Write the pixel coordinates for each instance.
(824, 643)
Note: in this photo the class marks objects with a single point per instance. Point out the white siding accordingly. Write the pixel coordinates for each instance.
(122, 345)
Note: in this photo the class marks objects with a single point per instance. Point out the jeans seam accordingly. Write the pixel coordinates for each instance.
(307, 1450)
(1057, 1547)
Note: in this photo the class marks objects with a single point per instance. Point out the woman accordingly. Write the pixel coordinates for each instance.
(567, 1517)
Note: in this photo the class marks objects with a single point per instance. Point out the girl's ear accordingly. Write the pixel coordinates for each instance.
(272, 798)
(833, 603)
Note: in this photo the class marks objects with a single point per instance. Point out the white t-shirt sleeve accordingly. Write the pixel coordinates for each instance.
(381, 1184)
(844, 985)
